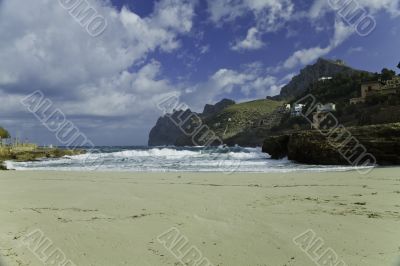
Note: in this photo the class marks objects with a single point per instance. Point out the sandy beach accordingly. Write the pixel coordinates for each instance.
(240, 219)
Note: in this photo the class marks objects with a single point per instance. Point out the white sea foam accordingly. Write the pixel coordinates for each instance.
(173, 159)
(156, 152)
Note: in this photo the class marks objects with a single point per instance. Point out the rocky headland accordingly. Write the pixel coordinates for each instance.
(331, 147)
(269, 123)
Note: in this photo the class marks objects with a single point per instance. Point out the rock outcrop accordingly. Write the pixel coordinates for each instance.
(20, 155)
(247, 124)
(313, 147)
(166, 132)
(241, 124)
(276, 146)
(218, 107)
(310, 74)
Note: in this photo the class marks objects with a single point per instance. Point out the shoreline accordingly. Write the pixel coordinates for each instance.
(339, 169)
(115, 218)
(32, 153)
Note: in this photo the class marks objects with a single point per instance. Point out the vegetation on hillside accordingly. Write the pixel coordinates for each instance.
(248, 123)
(236, 118)
(378, 109)
(240, 123)
(341, 87)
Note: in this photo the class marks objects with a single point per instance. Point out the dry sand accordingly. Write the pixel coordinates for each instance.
(241, 219)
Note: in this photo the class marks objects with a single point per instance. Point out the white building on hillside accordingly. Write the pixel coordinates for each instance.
(329, 107)
(325, 78)
(297, 110)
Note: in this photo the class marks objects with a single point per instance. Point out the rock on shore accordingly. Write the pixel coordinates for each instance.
(312, 147)
(8, 153)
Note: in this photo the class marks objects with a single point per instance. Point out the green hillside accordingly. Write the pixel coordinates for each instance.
(239, 117)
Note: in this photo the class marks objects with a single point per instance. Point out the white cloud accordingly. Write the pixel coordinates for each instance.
(306, 56)
(111, 76)
(251, 42)
(318, 8)
(204, 49)
(342, 32)
(268, 13)
(46, 49)
(250, 82)
(135, 94)
(321, 7)
(269, 16)
(61, 58)
(373, 6)
(225, 80)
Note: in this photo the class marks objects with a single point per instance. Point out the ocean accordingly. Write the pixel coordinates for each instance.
(172, 159)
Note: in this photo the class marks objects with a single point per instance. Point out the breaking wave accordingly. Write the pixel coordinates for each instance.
(170, 159)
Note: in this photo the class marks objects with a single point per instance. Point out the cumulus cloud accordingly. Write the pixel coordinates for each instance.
(112, 81)
(251, 81)
(44, 48)
(268, 13)
(321, 7)
(306, 56)
(61, 53)
(269, 16)
(342, 31)
(123, 95)
(251, 42)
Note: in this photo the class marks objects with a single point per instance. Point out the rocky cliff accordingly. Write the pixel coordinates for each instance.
(247, 124)
(166, 132)
(310, 74)
(218, 107)
(312, 147)
(243, 124)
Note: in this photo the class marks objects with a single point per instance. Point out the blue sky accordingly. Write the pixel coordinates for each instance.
(203, 50)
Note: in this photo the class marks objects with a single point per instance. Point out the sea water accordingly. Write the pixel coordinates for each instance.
(172, 159)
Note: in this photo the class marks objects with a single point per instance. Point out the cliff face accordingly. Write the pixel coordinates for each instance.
(218, 107)
(247, 124)
(165, 132)
(232, 123)
(312, 147)
(311, 74)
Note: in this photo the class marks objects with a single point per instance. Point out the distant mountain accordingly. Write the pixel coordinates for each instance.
(226, 119)
(213, 109)
(311, 74)
(165, 132)
(248, 123)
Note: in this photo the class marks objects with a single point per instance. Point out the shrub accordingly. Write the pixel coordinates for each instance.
(4, 133)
